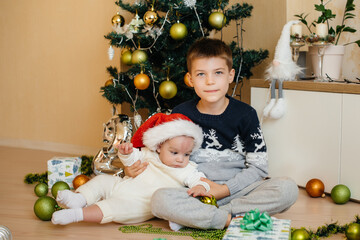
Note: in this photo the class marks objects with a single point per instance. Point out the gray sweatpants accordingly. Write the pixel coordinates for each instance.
(272, 195)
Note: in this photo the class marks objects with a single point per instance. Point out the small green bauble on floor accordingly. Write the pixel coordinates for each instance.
(340, 194)
(58, 186)
(41, 189)
(300, 234)
(44, 207)
(352, 232)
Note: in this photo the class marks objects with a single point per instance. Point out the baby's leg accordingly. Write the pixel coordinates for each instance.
(88, 214)
(71, 199)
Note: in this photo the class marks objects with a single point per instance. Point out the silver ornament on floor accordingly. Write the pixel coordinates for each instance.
(5, 233)
(117, 130)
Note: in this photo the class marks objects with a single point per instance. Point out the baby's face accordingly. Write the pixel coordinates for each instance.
(176, 151)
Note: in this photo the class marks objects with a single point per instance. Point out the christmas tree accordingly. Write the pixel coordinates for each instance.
(154, 46)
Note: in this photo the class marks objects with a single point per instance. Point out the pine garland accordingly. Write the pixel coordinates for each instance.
(86, 169)
(329, 229)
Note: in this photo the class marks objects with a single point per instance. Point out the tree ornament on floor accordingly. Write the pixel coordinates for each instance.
(300, 234)
(178, 31)
(58, 186)
(80, 180)
(126, 56)
(315, 188)
(139, 56)
(352, 232)
(340, 194)
(141, 81)
(217, 19)
(41, 189)
(118, 20)
(44, 207)
(282, 68)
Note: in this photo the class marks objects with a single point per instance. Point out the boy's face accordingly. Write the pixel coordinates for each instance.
(176, 151)
(210, 78)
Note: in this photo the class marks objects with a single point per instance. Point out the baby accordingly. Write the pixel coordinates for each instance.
(165, 142)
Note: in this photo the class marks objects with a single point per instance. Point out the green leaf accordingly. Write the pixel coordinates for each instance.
(320, 8)
(358, 42)
(349, 29)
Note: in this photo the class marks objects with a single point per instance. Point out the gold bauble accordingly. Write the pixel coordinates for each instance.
(209, 200)
(217, 20)
(178, 31)
(80, 180)
(150, 17)
(187, 79)
(109, 82)
(118, 20)
(167, 89)
(315, 188)
(141, 81)
(138, 56)
(126, 57)
(300, 234)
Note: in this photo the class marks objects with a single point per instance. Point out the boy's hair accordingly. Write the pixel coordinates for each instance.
(207, 48)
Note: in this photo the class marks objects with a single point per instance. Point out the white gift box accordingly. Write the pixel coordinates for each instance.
(63, 169)
(280, 231)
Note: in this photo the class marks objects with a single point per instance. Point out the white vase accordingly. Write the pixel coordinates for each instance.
(332, 62)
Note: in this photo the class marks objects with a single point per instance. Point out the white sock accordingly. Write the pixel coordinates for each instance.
(175, 226)
(71, 199)
(67, 216)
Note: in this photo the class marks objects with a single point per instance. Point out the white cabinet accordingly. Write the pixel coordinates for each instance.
(316, 138)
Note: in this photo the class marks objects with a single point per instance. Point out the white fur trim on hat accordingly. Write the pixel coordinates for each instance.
(160, 133)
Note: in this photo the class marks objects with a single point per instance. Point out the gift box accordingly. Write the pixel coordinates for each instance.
(63, 169)
(280, 231)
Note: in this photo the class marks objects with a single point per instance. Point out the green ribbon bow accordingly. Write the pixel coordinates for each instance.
(253, 220)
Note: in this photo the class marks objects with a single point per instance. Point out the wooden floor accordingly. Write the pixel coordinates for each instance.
(17, 200)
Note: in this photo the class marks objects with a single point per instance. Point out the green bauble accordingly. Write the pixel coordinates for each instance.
(41, 189)
(44, 207)
(340, 194)
(58, 186)
(352, 232)
(209, 200)
(300, 234)
(217, 20)
(178, 31)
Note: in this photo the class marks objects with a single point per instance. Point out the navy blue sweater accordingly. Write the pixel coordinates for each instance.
(233, 151)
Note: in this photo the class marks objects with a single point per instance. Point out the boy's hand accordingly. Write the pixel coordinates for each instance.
(198, 190)
(125, 148)
(135, 169)
(219, 191)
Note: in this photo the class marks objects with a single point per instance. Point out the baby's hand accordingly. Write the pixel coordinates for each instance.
(125, 148)
(198, 190)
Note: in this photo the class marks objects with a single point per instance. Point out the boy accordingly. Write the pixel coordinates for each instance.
(233, 154)
(169, 141)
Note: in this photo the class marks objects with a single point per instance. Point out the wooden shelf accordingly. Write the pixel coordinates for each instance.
(332, 87)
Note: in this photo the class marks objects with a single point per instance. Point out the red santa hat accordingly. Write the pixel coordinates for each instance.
(161, 127)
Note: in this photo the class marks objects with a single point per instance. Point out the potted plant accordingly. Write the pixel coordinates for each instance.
(327, 37)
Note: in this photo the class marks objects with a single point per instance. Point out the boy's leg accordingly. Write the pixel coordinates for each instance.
(175, 205)
(273, 195)
(71, 199)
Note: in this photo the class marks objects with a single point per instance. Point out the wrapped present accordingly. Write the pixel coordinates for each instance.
(63, 169)
(280, 230)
